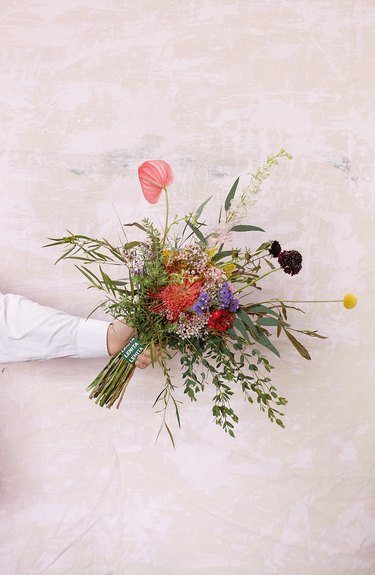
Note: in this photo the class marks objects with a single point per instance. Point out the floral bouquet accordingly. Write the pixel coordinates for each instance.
(187, 292)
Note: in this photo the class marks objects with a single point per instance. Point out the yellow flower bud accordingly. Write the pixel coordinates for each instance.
(349, 301)
(229, 269)
(212, 251)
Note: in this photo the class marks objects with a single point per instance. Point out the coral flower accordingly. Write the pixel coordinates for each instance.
(176, 298)
(349, 300)
(154, 176)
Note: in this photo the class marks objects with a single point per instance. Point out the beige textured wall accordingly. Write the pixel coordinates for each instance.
(89, 90)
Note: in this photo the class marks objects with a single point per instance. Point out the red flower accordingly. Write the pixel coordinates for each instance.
(220, 320)
(154, 175)
(176, 298)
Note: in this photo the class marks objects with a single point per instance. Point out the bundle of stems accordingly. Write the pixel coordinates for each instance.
(110, 384)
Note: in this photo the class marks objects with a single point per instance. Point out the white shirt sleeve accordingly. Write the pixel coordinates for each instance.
(29, 331)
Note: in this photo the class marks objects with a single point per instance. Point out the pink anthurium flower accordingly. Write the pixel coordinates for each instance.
(154, 175)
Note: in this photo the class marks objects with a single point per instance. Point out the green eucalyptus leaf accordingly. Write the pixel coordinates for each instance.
(170, 434)
(246, 228)
(221, 255)
(230, 196)
(247, 321)
(260, 309)
(238, 324)
(312, 333)
(200, 209)
(177, 412)
(298, 345)
(278, 333)
(263, 340)
(93, 279)
(197, 232)
(137, 225)
(271, 321)
(131, 245)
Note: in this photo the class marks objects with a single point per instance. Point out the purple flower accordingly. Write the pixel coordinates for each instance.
(234, 305)
(227, 299)
(225, 295)
(201, 303)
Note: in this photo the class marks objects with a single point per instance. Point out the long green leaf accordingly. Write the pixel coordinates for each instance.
(268, 321)
(108, 282)
(90, 275)
(298, 345)
(311, 333)
(170, 435)
(200, 209)
(263, 340)
(221, 255)
(258, 335)
(246, 228)
(247, 321)
(197, 232)
(100, 304)
(238, 324)
(177, 412)
(131, 245)
(260, 309)
(158, 397)
(65, 254)
(230, 196)
(137, 225)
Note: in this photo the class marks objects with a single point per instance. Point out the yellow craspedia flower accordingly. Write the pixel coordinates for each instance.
(229, 269)
(166, 254)
(349, 300)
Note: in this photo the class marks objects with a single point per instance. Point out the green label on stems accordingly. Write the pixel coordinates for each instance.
(132, 350)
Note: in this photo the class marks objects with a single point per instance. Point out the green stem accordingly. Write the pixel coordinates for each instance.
(303, 301)
(166, 216)
(256, 280)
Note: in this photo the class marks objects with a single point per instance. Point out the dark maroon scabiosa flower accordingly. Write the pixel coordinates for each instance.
(290, 261)
(275, 249)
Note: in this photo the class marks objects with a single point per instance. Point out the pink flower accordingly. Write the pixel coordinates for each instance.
(154, 175)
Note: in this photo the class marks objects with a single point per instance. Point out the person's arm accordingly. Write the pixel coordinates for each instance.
(29, 331)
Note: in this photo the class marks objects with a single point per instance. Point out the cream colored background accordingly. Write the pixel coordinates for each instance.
(89, 90)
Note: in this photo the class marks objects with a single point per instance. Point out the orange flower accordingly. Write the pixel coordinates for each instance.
(176, 298)
(154, 176)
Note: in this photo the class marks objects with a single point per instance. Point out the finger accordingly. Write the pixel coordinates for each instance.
(142, 364)
(146, 354)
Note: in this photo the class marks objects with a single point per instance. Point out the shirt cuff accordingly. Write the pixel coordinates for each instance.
(92, 338)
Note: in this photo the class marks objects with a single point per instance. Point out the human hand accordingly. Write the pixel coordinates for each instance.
(144, 359)
(118, 335)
